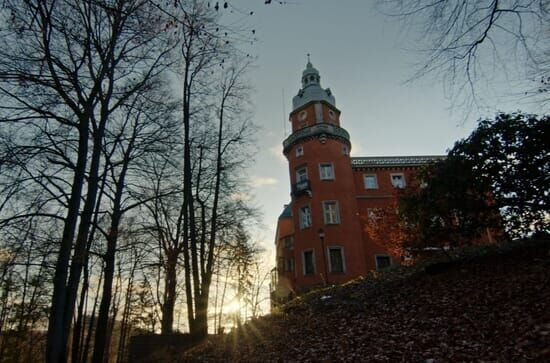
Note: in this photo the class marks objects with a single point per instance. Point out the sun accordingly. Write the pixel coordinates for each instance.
(232, 307)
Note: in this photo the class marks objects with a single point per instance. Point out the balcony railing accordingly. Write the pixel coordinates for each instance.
(302, 187)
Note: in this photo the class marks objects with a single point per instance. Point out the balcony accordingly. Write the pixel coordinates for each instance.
(302, 187)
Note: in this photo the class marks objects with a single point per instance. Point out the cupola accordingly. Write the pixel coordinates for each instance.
(311, 88)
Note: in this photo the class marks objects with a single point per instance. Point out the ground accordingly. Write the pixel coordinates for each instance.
(491, 305)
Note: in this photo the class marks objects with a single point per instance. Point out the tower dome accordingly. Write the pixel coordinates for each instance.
(311, 88)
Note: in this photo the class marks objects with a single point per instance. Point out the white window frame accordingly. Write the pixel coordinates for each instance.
(331, 218)
(322, 176)
(298, 169)
(365, 176)
(299, 151)
(402, 175)
(305, 219)
(312, 262)
(343, 259)
(380, 255)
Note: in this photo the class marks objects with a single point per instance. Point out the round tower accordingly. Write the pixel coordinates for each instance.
(327, 232)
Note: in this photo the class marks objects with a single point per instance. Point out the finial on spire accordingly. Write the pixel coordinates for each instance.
(308, 58)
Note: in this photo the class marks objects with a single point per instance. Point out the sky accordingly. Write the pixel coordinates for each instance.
(365, 58)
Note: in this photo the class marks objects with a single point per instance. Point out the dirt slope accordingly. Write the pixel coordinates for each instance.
(493, 307)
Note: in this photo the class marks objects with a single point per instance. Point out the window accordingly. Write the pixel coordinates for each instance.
(299, 151)
(305, 217)
(301, 174)
(345, 150)
(309, 263)
(289, 265)
(336, 259)
(382, 261)
(326, 171)
(370, 181)
(330, 212)
(398, 180)
(289, 242)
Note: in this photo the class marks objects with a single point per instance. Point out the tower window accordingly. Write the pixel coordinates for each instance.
(398, 180)
(336, 259)
(305, 217)
(370, 181)
(330, 212)
(301, 174)
(345, 150)
(309, 262)
(326, 171)
(299, 150)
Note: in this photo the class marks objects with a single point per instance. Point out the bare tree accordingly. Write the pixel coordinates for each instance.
(215, 126)
(67, 66)
(473, 41)
(146, 126)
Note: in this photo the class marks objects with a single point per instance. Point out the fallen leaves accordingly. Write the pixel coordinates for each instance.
(489, 308)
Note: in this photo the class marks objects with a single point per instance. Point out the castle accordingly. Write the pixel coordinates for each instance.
(320, 237)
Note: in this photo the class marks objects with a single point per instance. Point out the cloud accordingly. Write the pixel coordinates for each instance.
(357, 149)
(245, 197)
(277, 152)
(260, 181)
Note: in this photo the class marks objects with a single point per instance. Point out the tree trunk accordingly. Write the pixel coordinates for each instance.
(103, 315)
(201, 316)
(54, 344)
(169, 294)
(78, 326)
(86, 347)
(124, 326)
(80, 249)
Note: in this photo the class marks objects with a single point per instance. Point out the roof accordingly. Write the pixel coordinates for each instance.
(287, 211)
(385, 161)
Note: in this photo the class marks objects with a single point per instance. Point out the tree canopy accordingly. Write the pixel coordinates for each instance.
(511, 156)
(496, 180)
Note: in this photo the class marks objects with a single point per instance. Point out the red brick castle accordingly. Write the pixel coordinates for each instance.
(320, 234)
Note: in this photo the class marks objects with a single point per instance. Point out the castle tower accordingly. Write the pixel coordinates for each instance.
(326, 245)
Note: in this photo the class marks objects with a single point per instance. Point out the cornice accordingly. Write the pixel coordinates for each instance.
(316, 131)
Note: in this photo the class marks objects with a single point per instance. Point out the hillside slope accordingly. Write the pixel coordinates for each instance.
(493, 307)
